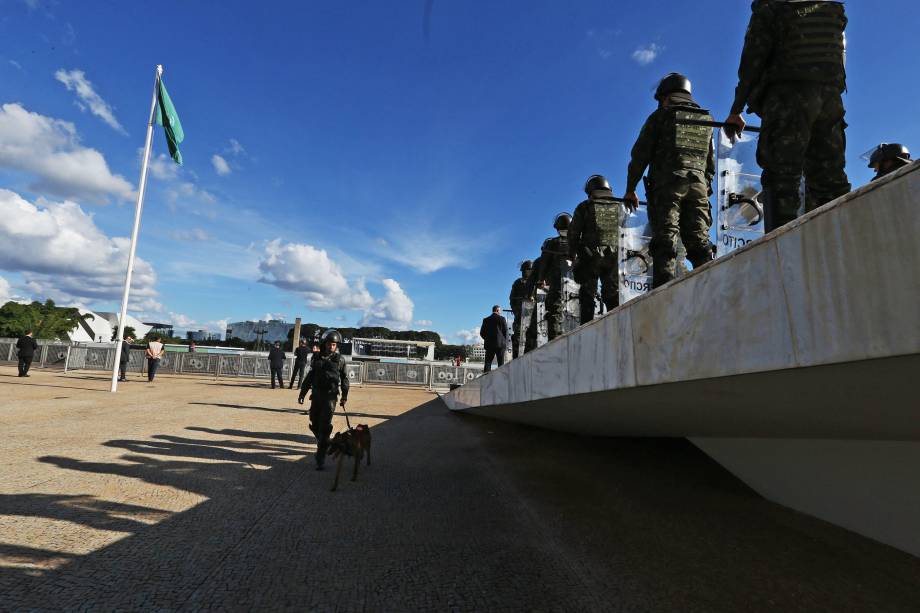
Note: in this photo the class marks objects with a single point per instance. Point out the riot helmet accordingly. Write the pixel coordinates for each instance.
(673, 83)
(332, 336)
(562, 223)
(889, 151)
(526, 266)
(596, 182)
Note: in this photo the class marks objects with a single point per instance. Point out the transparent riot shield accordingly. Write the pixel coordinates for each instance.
(570, 303)
(533, 313)
(740, 214)
(635, 260)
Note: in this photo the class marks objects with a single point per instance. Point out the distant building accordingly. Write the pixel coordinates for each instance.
(202, 336)
(267, 331)
(383, 348)
(476, 353)
(165, 330)
(98, 328)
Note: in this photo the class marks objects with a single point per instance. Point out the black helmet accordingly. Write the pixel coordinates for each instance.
(596, 182)
(526, 265)
(562, 221)
(889, 151)
(674, 82)
(332, 336)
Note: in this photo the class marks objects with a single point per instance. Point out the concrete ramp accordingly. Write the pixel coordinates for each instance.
(794, 362)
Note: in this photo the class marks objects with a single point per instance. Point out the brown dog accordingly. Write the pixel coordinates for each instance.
(353, 442)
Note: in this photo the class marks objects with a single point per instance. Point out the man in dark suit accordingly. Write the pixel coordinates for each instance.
(276, 363)
(27, 348)
(302, 355)
(124, 358)
(494, 333)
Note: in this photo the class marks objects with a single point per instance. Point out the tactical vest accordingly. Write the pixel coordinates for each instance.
(326, 374)
(811, 43)
(602, 222)
(688, 144)
(518, 289)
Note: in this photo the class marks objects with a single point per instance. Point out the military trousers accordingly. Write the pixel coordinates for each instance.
(679, 210)
(515, 333)
(555, 312)
(321, 410)
(803, 134)
(599, 265)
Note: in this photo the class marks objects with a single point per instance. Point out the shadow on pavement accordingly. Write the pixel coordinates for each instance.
(248, 407)
(462, 513)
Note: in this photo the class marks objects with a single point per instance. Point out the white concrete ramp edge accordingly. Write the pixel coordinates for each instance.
(735, 351)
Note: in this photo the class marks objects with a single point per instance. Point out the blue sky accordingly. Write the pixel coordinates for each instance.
(366, 172)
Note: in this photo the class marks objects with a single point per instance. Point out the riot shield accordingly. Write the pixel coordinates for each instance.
(740, 215)
(571, 310)
(635, 261)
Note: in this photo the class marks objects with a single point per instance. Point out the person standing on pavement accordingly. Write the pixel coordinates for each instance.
(594, 246)
(155, 349)
(793, 74)
(681, 161)
(26, 347)
(302, 354)
(276, 359)
(494, 333)
(326, 380)
(124, 358)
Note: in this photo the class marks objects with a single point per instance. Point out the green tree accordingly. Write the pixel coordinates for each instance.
(129, 331)
(46, 320)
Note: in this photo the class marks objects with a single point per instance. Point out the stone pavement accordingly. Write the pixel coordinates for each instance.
(195, 494)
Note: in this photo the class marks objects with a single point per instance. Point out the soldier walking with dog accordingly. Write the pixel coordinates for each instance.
(326, 381)
(593, 245)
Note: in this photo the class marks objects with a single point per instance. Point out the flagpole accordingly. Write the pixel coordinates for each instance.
(137, 225)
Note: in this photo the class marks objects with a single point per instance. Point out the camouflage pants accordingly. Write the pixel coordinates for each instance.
(555, 312)
(589, 269)
(803, 132)
(515, 332)
(679, 209)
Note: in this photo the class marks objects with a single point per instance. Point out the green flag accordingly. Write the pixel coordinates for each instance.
(169, 119)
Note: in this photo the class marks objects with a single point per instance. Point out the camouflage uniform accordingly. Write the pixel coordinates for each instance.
(552, 261)
(792, 74)
(516, 298)
(593, 244)
(681, 163)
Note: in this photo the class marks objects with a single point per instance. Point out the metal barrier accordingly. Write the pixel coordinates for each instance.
(58, 355)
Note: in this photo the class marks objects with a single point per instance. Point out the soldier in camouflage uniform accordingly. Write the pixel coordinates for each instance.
(593, 244)
(887, 158)
(516, 298)
(326, 379)
(530, 293)
(681, 163)
(792, 74)
(550, 268)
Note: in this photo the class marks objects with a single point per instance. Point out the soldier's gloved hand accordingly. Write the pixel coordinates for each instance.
(631, 200)
(300, 399)
(734, 125)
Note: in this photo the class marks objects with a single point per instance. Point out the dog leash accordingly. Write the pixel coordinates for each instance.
(347, 423)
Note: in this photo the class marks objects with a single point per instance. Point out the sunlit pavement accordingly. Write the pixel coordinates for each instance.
(195, 493)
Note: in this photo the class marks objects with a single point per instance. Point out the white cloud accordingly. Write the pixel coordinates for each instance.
(50, 149)
(76, 81)
(193, 235)
(426, 251)
(469, 337)
(6, 293)
(393, 311)
(647, 54)
(15, 64)
(235, 147)
(186, 190)
(423, 322)
(161, 166)
(63, 255)
(604, 41)
(183, 322)
(221, 166)
(309, 271)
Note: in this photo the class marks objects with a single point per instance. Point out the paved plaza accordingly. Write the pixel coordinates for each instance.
(200, 494)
